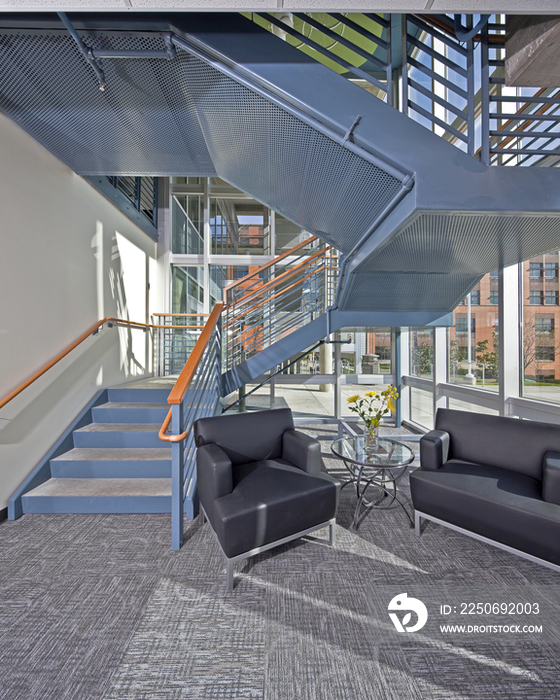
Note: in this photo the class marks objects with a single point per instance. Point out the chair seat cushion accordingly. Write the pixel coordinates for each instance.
(493, 502)
(271, 500)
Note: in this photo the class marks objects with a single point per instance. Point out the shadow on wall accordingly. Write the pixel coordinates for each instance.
(66, 388)
(112, 356)
(122, 278)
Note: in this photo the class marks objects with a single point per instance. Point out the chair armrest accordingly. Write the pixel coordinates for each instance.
(214, 476)
(302, 451)
(434, 449)
(551, 478)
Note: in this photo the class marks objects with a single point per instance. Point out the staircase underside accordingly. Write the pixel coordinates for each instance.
(419, 222)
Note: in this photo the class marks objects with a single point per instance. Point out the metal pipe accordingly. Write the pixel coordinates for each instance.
(125, 53)
(87, 52)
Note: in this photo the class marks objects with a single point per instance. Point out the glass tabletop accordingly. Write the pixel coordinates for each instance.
(389, 454)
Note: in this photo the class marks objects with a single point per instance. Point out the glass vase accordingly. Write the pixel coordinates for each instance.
(372, 439)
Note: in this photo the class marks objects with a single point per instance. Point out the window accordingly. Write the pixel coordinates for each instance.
(544, 326)
(535, 269)
(495, 274)
(551, 270)
(535, 298)
(544, 353)
(495, 297)
(461, 325)
(475, 297)
(551, 298)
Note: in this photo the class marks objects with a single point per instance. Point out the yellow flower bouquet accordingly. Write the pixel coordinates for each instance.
(372, 407)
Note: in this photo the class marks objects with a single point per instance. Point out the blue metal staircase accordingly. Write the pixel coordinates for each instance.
(418, 220)
(117, 463)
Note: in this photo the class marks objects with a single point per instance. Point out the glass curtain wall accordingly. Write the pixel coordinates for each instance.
(541, 328)
(473, 340)
(513, 312)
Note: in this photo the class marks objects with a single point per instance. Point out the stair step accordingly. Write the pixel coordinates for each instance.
(113, 463)
(99, 496)
(118, 435)
(141, 394)
(130, 412)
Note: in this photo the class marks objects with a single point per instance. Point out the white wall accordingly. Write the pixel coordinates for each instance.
(68, 258)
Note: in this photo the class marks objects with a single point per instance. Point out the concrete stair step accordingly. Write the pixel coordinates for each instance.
(113, 463)
(140, 394)
(118, 435)
(100, 496)
(130, 412)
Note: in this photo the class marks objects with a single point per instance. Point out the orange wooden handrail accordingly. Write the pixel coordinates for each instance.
(177, 394)
(162, 435)
(269, 264)
(197, 315)
(274, 296)
(281, 278)
(65, 352)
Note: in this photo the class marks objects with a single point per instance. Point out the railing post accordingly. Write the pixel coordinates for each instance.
(177, 479)
(389, 68)
(485, 99)
(471, 147)
(404, 67)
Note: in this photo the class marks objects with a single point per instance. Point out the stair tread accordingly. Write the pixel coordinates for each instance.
(120, 428)
(103, 487)
(116, 453)
(133, 404)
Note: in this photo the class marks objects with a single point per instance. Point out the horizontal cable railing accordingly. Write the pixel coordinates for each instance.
(92, 331)
(195, 395)
(276, 299)
(174, 340)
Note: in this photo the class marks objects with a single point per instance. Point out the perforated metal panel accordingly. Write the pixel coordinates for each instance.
(434, 261)
(185, 117)
(144, 122)
(476, 242)
(283, 162)
(407, 291)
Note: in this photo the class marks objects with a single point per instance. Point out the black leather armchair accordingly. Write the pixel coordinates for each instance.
(260, 483)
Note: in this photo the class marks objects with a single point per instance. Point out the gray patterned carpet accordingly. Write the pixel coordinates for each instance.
(100, 607)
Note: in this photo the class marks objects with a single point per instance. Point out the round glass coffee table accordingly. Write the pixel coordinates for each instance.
(374, 473)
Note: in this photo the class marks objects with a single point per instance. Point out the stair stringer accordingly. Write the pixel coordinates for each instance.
(302, 338)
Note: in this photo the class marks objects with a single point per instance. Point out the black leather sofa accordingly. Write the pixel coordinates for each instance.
(260, 483)
(493, 478)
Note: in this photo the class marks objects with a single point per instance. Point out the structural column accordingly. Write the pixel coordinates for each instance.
(325, 364)
(509, 335)
(440, 367)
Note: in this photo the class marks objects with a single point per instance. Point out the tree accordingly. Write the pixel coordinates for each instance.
(536, 337)
(422, 358)
(487, 357)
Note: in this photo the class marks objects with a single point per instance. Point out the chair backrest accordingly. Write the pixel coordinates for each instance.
(246, 437)
(518, 445)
